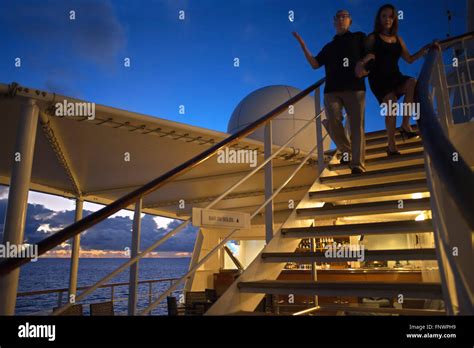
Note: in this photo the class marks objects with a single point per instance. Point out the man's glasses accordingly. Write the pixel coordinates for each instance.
(342, 16)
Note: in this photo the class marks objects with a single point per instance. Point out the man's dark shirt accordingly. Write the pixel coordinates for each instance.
(339, 76)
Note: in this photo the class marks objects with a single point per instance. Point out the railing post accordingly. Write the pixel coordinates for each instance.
(132, 290)
(268, 182)
(442, 94)
(14, 227)
(60, 298)
(319, 130)
(76, 243)
(150, 293)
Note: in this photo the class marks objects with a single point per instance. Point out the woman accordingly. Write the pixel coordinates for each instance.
(385, 79)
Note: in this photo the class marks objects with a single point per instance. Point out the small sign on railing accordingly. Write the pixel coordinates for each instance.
(220, 218)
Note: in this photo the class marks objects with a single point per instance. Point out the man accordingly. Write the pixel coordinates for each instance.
(345, 87)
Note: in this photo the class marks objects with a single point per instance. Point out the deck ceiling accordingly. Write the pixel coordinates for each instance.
(93, 160)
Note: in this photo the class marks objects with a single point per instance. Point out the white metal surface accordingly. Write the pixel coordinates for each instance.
(21, 160)
(75, 250)
(135, 250)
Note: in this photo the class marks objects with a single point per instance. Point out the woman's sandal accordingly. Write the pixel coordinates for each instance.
(407, 134)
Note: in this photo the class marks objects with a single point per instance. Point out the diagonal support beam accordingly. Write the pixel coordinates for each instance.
(58, 147)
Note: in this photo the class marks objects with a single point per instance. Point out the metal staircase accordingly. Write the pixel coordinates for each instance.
(385, 188)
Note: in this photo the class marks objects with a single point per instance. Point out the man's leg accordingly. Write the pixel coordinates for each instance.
(354, 102)
(333, 105)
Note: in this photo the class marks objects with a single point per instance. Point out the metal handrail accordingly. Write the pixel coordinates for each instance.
(186, 222)
(51, 291)
(112, 286)
(450, 41)
(72, 230)
(439, 147)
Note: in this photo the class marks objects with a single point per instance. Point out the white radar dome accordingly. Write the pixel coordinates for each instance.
(263, 100)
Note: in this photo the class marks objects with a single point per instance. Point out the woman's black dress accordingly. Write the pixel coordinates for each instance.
(385, 75)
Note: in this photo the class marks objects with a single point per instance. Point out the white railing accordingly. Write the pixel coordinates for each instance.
(450, 179)
(61, 293)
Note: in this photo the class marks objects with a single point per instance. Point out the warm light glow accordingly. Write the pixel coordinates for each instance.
(306, 311)
(417, 195)
(420, 217)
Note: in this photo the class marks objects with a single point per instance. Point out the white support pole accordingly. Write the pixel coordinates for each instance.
(14, 227)
(133, 285)
(268, 182)
(75, 249)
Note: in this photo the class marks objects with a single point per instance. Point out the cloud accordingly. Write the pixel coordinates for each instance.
(113, 234)
(51, 39)
(95, 33)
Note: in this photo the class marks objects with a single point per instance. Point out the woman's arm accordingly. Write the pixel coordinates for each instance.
(407, 57)
(309, 57)
(362, 69)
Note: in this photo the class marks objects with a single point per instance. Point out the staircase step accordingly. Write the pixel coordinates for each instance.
(380, 149)
(354, 307)
(359, 209)
(343, 288)
(382, 141)
(385, 162)
(370, 191)
(403, 148)
(369, 255)
(392, 227)
(382, 133)
(376, 176)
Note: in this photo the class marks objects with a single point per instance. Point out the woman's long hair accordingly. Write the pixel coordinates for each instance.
(378, 26)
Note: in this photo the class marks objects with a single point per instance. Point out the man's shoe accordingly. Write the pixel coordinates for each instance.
(393, 153)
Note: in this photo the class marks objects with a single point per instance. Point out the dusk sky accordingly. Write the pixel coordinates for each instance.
(186, 62)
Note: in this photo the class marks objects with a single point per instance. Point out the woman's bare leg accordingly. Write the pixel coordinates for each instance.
(391, 123)
(408, 89)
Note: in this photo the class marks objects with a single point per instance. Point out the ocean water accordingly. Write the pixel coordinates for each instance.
(53, 273)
